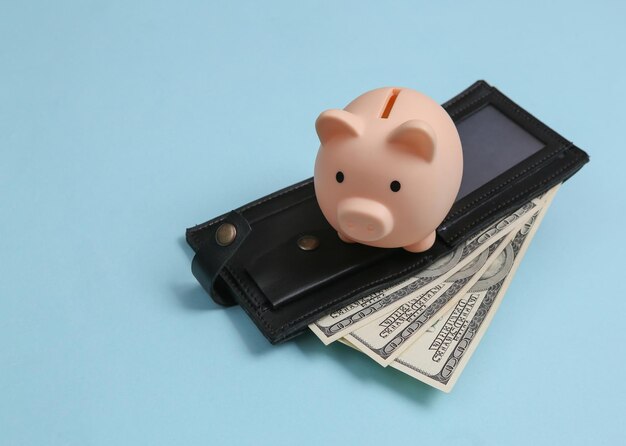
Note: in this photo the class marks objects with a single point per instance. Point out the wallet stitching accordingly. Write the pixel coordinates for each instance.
(467, 92)
(501, 185)
(472, 103)
(271, 197)
(503, 204)
(282, 209)
(238, 284)
(534, 121)
(258, 304)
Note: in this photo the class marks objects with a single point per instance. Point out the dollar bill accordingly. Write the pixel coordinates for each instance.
(350, 318)
(439, 356)
(386, 337)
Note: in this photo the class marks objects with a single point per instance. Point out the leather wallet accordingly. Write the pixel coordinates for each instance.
(254, 255)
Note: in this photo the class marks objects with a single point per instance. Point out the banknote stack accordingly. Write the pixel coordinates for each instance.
(429, 325)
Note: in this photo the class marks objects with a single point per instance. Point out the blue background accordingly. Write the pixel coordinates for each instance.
(123, 123)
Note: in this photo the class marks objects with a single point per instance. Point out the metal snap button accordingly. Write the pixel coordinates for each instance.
(225, 234)
(308, 242)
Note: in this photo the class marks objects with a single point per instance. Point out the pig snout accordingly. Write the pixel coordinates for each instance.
(363, 219)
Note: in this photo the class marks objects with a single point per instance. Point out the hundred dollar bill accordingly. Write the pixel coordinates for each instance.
(386, 337)
(347, 319)
(438, 357)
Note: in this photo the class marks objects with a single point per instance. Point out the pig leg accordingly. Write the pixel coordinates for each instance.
(423, 244)
(345, 238)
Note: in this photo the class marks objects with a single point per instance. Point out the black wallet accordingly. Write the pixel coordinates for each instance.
(255, 257)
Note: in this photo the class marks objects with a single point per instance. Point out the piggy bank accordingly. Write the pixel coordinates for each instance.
(388, 169)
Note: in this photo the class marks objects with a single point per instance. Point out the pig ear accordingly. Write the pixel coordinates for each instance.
(337, 124)
(417, 137)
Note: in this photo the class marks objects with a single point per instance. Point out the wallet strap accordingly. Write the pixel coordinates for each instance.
(225, 238)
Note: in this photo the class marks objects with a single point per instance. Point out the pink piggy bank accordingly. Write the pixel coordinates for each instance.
(388, 169)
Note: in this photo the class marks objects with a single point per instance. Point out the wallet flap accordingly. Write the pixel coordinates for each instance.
(315, 258)
(207, 264)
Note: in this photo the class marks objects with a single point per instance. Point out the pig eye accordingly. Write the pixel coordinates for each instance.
(339, 177)
(395, 186)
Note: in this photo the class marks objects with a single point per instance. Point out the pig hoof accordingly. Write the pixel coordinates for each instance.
(422, 245)
(345, 238)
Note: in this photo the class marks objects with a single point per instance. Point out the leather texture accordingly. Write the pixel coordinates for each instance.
(510, 158)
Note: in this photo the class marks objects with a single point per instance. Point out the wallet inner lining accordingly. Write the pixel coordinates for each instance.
(492, 144)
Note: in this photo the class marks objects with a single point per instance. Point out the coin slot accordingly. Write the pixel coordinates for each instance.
(392, 100)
